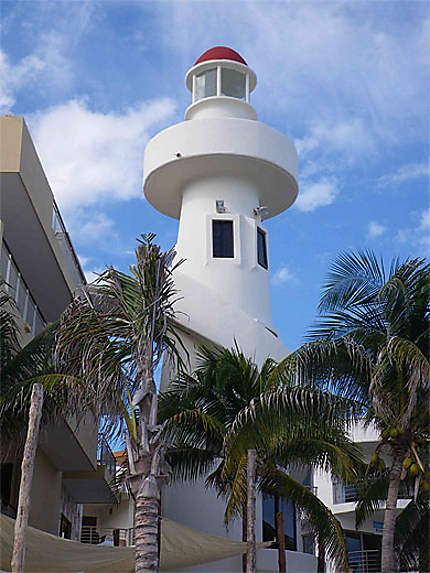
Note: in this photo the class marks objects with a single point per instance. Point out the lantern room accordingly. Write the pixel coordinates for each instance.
(223, 74)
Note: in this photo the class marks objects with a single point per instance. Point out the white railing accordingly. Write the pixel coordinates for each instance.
(107, 536)
(18, 290)
(65, 243)
(346, 492)
(105, 457)
(366, 561)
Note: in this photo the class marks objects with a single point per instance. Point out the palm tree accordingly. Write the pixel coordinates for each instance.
(113, 336)
(411, 534)
(228, 407)
(371, 342)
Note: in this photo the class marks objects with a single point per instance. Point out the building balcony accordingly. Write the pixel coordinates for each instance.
(365, 561)
(117, 537)
(32, 226)
(350, 492)
(17, 288)
(93, 486)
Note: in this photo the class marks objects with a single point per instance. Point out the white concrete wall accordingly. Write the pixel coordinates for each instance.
(118, 516)
(220, 155)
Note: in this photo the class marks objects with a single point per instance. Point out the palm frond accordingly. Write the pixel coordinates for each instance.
(353, 280)
(372, 492)
(323, 522)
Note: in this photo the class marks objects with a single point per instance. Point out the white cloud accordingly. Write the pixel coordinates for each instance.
(83, 260)
(317, 194)
(333, 60)
(405, 173)
(375, 229)
(424, 231)
(91, 157)
(417, 235)
(283, 275)
(425, 219)
(13, 77)
(349, 137)
(46, 66)
(92, 275)
(99, 228)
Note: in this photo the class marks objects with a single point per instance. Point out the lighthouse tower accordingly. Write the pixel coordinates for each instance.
(222, 173)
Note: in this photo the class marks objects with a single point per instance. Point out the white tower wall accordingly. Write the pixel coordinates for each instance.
(230, 278)
(221, 153)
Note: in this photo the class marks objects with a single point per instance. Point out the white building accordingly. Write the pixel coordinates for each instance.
(222, 173)
(42, 272)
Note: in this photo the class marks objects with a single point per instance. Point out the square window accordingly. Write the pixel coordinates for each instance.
(205, 84)
(262, 249)
(222, 239)
(233, 83)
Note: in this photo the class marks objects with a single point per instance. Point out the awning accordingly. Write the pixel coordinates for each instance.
(181, 546)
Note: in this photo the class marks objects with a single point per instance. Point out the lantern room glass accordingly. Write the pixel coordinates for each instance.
(233, 83)
(205, 85)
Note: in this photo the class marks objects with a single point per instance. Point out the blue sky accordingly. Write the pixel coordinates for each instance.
(348, 82)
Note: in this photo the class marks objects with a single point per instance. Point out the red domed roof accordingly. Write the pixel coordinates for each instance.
(220, 53)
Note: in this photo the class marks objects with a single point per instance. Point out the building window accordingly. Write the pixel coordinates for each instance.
(6, 476)
(65, 527)
(262, 248)
(206, 83)
(364, 551)
(233, 83)
(273, 505)
(308, 544)
(222, 239)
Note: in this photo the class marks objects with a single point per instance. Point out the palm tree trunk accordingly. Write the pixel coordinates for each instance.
(250, 513)
(147, 518)
(281, 540)
(244, 528)
(388, 557)
(27, 467)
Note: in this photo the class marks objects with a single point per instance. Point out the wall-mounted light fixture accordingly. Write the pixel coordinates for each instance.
(261, 211)
(220, 207)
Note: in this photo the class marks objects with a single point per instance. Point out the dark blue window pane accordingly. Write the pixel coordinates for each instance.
(222, 233)
(289, 517)
(262, 248)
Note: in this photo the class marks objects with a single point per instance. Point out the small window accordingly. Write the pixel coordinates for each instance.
(222, 239)
(262, 248)
(233, 83)
(65, 527)
(205, 84)
(273, 505)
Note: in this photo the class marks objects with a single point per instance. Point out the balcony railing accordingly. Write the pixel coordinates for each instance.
(66, 246)
(366, 561)
(106, 458)
(7, 509)
(312, 488)
(344, 493)
(19, 291)
(107, 536)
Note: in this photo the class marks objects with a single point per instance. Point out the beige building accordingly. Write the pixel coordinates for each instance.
(42, 271)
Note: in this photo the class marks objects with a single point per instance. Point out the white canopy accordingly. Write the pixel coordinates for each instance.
(181, 546)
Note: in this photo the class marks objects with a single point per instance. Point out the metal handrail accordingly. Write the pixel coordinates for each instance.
(105, 457)
(60, 231)
(120, 536)
(312, 488)
(365, 561)
(347, 492)
(8, 509)
(19, 291)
